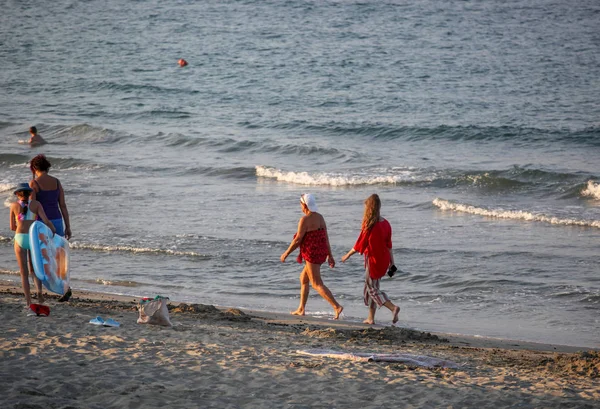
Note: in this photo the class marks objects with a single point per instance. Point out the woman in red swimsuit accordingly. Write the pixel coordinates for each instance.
(313, 241)
(375, 242)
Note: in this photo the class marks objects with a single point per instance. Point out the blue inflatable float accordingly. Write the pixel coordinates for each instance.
(50, 257)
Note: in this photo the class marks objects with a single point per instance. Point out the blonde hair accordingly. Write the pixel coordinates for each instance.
(372, 212)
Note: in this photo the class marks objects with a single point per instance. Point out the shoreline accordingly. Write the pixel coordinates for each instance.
(228, 358)
(278, 318)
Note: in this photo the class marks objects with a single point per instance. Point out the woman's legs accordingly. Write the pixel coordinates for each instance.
(394, 309)
(314, 275)
(389, 305)
(374, 297)
(21, 254)
(371, 318)
(304, 290)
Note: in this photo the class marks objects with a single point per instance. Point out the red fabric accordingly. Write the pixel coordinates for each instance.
(375, 245)
(40, 309)
(314, 248)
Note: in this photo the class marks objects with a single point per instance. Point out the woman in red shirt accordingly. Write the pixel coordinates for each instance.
(375, 242)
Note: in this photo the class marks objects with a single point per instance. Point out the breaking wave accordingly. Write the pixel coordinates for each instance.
(512, 179)
(512, 214)
(334, 178)
(386, 131)
(592, 190)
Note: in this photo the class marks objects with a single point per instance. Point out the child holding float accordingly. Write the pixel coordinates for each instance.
(22, 215)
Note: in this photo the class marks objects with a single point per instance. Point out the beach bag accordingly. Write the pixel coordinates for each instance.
(154, 311)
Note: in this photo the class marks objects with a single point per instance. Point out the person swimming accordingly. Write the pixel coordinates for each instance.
(35, 139)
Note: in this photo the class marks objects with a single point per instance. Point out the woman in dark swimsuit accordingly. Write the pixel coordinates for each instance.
(313, 241)
(49, 192)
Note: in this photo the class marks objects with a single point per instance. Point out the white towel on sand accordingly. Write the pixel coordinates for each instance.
(410, 359)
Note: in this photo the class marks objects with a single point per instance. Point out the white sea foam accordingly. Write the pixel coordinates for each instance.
(336, 179)
(82, 167)
(6, 186)
(592, 190)
(117, 283)
(4, 271)
(512, 214)
(10, 200)
(99, 247)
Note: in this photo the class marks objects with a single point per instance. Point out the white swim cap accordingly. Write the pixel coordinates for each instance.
(310, 202)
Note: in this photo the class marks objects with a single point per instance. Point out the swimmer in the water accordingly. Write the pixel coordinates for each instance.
(36, 139)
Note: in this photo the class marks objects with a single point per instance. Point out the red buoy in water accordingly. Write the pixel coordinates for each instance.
(182, 62)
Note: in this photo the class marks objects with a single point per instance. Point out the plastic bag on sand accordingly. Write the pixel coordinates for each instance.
(154, 311)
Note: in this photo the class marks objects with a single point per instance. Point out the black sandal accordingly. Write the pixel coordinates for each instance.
(66, 296)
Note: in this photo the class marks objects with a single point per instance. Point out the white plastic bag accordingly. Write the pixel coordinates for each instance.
(154, 311)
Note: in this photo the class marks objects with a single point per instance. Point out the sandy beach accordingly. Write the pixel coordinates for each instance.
(219, 358)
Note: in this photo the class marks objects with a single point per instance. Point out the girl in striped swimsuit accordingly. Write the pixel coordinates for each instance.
(22, 215)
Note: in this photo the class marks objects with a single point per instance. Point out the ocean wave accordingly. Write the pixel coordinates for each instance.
(493, 180)
(268, 146)
(332, 178)
(222, 144)
(120, 283)
(9, 272)
(487, 180)
(240, 146)
(591, 299)
(571, 292)
(302, 150)
(152, 89)
(84, 133)
(591, 190)
(382, 131)
(4, 187)
(176, 139)
(125, 283)
(161, 113)
(239, 172)
(512, 214)
(516, 178)
(131, 249)
(13, 159)
(70, 164)
(230, 145)
(6, 124)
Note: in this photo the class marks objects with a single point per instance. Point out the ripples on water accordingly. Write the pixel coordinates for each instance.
(476, 122)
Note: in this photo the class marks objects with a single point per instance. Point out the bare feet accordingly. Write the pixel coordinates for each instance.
(298, 312)
(370, 322)
(338, 311)
(395, 312)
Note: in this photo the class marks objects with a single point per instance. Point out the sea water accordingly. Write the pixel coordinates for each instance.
(477, 123)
